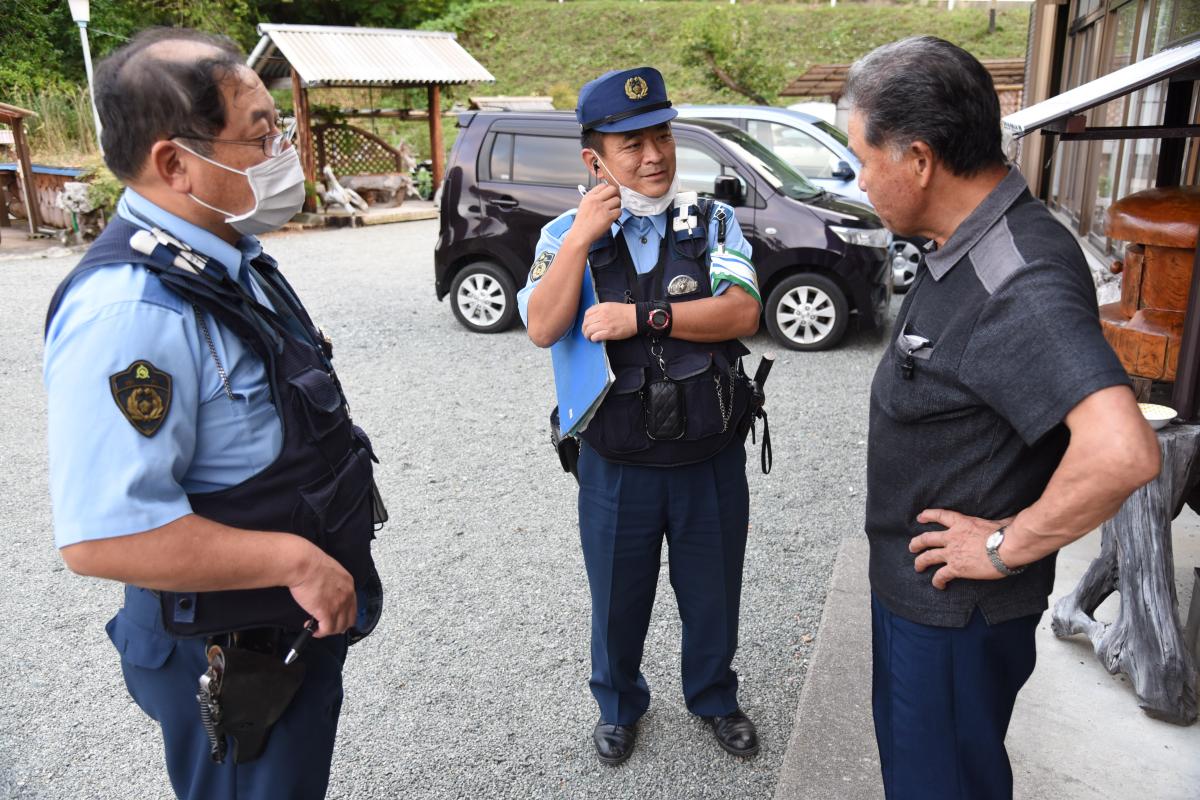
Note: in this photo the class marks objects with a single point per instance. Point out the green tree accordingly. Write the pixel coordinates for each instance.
(123, 18)
(722, 41)
(364, 13)
(33, 54)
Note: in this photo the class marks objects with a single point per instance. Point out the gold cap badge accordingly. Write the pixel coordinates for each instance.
(636, 88)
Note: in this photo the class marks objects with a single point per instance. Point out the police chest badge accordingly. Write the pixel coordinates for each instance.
(682, 284)
(544, 259)
(636, 88)
(143, 393)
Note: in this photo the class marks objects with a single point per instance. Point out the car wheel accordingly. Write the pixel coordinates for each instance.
(483, 297)
(906, 257)
(807, 312)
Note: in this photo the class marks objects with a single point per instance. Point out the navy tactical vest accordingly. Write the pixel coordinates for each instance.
(715, 392)
(319, 487)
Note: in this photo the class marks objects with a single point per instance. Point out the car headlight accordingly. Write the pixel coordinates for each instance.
(863, 237)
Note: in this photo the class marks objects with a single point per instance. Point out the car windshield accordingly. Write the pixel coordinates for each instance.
(833, 131)
(771, 167)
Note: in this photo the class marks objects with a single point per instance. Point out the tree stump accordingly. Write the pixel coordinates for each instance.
(1146, 641)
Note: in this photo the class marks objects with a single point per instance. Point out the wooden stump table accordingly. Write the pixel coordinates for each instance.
(1146, 641)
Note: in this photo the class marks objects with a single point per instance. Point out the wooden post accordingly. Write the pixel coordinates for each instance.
(304, 134)
(24, 166)
(4, 223)
(436, 146)
(1171, 150)
(1187, 374)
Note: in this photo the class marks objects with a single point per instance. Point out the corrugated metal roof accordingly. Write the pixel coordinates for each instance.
(511, 103)
(332, 56)
(827, 80)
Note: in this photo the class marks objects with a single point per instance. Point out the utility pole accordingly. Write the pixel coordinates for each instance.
(81, 13)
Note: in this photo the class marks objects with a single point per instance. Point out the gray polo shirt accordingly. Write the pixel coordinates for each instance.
(997, 340)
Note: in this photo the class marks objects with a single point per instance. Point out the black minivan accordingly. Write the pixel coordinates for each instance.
(821, 260)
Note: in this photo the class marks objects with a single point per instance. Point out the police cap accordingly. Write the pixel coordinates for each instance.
(624, 100)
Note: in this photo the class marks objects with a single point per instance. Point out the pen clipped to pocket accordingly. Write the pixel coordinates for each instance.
(910, 348)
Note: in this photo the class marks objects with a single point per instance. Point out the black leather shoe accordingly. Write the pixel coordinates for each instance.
(735, 733)
(614, 743)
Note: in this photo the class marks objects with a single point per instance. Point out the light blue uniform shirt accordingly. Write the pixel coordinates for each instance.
(106, 478)
(644, 235)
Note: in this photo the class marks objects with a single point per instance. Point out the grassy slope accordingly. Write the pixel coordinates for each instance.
(540, 47)
(536, 47)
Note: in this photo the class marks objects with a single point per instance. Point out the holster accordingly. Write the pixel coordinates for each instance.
(567, 447)
(757, 411)
(250, 694)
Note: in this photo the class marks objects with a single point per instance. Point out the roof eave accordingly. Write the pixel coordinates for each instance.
(1165, 64)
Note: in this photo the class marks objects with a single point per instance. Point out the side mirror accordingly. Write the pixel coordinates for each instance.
(728, 190)
(844, 171)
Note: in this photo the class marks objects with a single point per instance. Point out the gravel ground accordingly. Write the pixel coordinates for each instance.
(475, 683)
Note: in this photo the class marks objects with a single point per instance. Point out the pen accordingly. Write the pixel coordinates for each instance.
(301, 640)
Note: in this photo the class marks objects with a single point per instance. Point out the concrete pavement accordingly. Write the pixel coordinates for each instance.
(1076, 734)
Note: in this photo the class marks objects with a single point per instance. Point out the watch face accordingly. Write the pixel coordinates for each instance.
(658, 318)
(995, 539)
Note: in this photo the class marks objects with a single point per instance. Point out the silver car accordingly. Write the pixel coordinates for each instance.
(817, 150)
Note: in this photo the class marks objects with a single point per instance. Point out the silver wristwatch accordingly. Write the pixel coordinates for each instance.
(993, 550)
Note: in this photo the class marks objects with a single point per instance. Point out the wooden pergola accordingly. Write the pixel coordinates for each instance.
(304, 57)
(14, 117)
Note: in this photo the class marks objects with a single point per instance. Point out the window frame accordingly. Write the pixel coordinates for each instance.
(753, 198)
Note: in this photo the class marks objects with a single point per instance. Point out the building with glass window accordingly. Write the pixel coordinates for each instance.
(1073, 42)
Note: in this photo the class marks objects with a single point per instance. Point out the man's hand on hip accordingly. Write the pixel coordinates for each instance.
(961, 548)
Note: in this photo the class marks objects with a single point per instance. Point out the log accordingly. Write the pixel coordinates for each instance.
(1146, 642)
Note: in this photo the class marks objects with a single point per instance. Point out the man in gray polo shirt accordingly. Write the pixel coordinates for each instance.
(1002, 424)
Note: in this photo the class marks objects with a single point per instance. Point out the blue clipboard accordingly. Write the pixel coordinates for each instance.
(582, 374)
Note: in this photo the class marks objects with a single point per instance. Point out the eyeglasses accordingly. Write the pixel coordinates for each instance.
(272, 144)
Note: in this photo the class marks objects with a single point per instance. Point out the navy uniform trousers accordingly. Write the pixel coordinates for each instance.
(625, 512)
(942, 699)
(162, 676)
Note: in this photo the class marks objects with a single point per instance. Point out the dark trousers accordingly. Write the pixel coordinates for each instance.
(161, 674)
(942, 699)
(625, 512)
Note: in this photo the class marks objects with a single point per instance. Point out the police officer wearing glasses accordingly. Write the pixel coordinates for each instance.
(201, 450)
(664, 455)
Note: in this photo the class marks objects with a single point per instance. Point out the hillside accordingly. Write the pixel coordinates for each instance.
(536, 47)
(546, 48)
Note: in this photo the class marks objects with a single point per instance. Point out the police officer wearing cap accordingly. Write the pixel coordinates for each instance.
(664, 455)
(201, 450)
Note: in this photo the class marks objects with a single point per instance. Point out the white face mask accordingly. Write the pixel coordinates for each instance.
(639, 204)
(278, 186)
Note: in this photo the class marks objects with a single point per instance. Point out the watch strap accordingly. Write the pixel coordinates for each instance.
(997, 561)
(645, 312)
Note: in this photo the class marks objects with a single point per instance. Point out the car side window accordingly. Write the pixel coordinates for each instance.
(698, 169)
(545, 160)
(807, 155)
(500, 167)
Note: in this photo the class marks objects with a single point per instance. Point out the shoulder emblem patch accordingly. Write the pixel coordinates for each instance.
(682, 284)
(143, 393)
(541, 264)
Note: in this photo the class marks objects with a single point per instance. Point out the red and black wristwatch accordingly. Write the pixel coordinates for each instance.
(654, 318)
